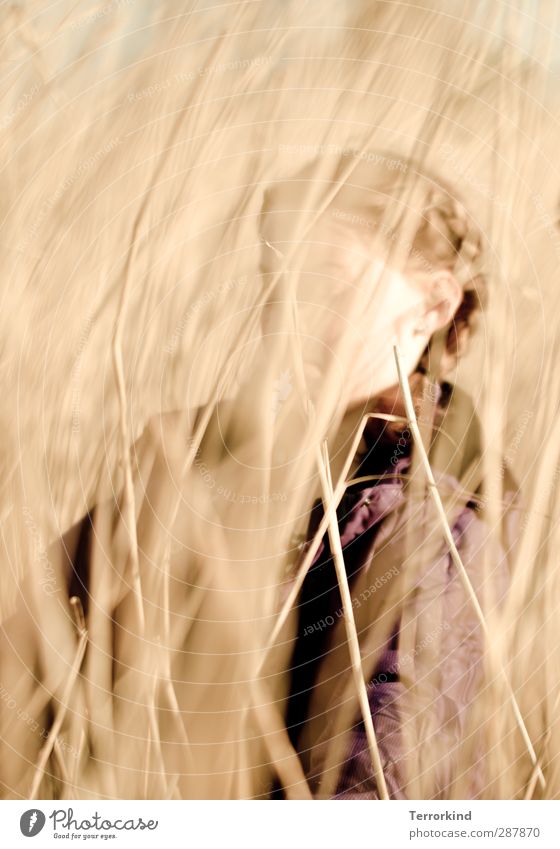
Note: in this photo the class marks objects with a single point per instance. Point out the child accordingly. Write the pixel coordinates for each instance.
(444, 249)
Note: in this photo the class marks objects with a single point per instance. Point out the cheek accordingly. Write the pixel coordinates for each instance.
(398, 312)
(342, 291)
(407, 306)
(393, 303)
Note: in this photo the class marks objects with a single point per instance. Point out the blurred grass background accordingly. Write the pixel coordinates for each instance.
(137, 143)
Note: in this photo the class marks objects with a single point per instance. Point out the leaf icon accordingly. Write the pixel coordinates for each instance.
(31, 822)
(282, 388)
(283, 385)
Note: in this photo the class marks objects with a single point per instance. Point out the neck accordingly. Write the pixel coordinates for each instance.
(340, 444)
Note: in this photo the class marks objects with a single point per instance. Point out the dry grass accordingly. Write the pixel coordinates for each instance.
(148, 269)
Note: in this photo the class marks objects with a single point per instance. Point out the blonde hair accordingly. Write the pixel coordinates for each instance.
(446, 237)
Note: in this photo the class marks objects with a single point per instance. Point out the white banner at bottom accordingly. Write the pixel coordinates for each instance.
(271, 824)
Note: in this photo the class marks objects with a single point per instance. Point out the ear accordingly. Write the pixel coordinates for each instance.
(444, 298)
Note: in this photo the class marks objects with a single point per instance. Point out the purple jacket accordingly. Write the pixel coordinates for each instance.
(367, 517)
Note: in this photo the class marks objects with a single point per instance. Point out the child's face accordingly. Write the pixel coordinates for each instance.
(338, 270)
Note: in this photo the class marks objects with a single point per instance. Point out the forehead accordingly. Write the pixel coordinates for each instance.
(343, 230)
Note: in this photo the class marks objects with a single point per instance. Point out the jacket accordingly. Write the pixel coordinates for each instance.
(446, 634)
